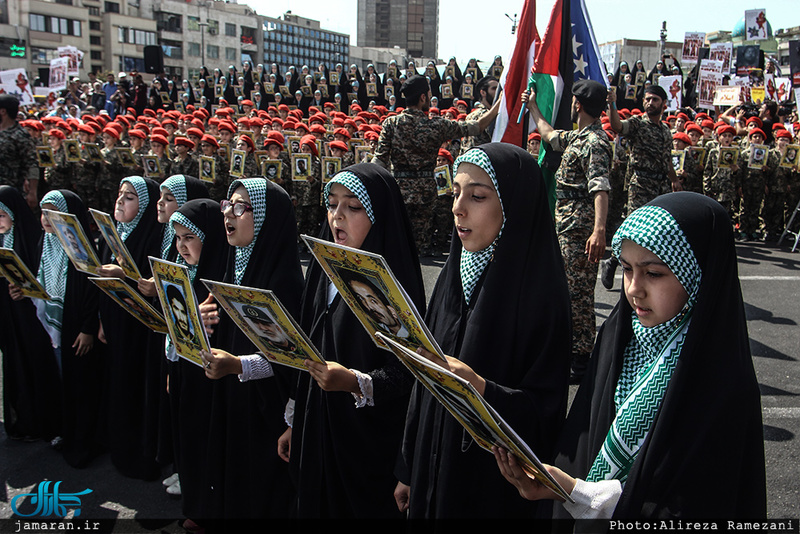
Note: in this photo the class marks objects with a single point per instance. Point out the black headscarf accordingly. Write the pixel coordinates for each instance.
(328, 430)
(515, 333)
(714, 377)
(27, 230)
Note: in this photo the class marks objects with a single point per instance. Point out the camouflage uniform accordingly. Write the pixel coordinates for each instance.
(481, 138)
(87, 176)
(618, 196)
(222, 180)
(251, 169)
(754, 182)
(410, 142)
(583, 172)
(309, 209)
(721, 184)
(777, 200)
(650, 159)
(692, 173)
(166, 166)
(18, 154)
(109, 178)
(187, 166)
(61, 175)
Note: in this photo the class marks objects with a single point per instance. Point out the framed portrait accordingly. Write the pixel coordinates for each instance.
(238, 91)
(197, 93)
(391, 72)
(293, 144)
(641, 77)
(284, 90)
(210, 81)
(467, 90)
(44, 156)
(122, 256)
(18, 274)
(218, 91)
(450, 71)
(728, 157)
(372, 89)
(132, 302)
(330, 168)
(225, 147)
(301, 167)
(678, 158)
(181, 312)
(72, 150)
(630, 92)
(699, 154)
(269, 88)
(126, 156)
(165, 97)
(92, 153)
(237, 163)
(363, 154)
(152, 166)
(323, 89)
(271, 169)
(497, 71)
(789, 160)
(74, 240)
(307, 90)
(254, 76)
(352, 98)
(180, 106)
(447, 90)
(363, 277)
(264, 320)
(333, 77)
(474, 72)
(758, 156)
(388, 92)
(470, 409)
(317, 76)
(208, 169)
(444, 180)
(430, 71)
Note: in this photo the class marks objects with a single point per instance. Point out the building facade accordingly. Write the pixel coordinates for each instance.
(409, 24)
(294, 40)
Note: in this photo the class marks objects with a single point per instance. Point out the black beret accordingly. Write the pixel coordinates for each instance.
(656, 90)
(592, 95)
(256, 314)
(414, 86)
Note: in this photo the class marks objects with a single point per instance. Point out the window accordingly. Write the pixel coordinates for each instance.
(112, 7)
(95, 40)
(37, 23)
(97, 54)
(94, 25)
(230, 54)
(213, 27)
(230, 29)
(193, 24)
(94, 11)
(193, 49)
(212, 51)
(58, 25)
(134, 36)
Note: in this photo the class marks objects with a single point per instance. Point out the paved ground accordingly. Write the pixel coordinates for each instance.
(770, 279)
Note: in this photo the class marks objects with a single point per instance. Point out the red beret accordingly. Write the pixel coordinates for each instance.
(755, 120)
(757, 131)
(158, 138)
(341, 145)
(342, 132)
(197, 132)
(680, 136)
(446, 154)
(247, 103)
(137, 133)
(272, 141)
(111, 131)
(726, 129)
(783, 133)
(185, 141)
(535, 135)
(274, 134)
(58, 134)
(210, 139)
(311, 142)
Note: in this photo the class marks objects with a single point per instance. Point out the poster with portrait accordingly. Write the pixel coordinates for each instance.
(131, 301)
(237, 163)
(447, 90)
(673, 85)
(363, 154)
(757, 157)
(678, 158)
(180, 106)
(238, 91)
(301, 167)
(44, 156)
(293, 144)
(472, 71)
(18, 274)
(208, 169)
(165, 97)
(284, 90)
(497, 71)
(269, 88)
(266, 322)
(467, 91)
(641, 77)
(58, 73)
(330, 168)
(430, 71)
(692, 43)
(122, 256)
(700, 154)
(271, 169)
(70, 234)
(721, 52)
(307, 91)
(181, 311)
(728, 157)
(219, 90)
(790, 159)
(126, 156)
(92, 153)
(334, 77)
(755, 25)
(72, 150)
(368, 286)
(323, 89)
(471, 410)
(152, 166)
(444, 180)
(372, 89)
(388, 92)
(630, 92)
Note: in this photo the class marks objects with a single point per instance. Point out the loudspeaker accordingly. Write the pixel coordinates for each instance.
(153, 59)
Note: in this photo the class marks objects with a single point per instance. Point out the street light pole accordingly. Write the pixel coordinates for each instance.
(203, 41)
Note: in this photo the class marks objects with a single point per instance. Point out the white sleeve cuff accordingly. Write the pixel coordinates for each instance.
(365, 385)
(288, 412)
(254, 367)
(594, 500)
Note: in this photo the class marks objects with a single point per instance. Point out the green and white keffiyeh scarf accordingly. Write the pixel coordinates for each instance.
(7, 239)
(356, 186)
(652, 354)
(175, 184)
(53, 267)
(473, 263)
(257, 190)
(138, 183)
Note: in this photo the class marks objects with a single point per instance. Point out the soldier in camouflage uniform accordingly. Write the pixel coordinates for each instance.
(409, 144)
(209, 147)
(443, 209)
(691, 174)
(61, 174)
(618, 196)
(245, 143)
(137, 140)
(650, 169)
(309, 208)
(17, 151)
(273, 144)
(158, 148)
(184, 163)
(87, 172)
(753, 185)
(722, 184)
(582, 186)
(486, 88)
(777, 198)
(112, 173)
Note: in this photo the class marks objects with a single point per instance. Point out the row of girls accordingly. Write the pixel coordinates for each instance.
(351, 85)
(357, 437)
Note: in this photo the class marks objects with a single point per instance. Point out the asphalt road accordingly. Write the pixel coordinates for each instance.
(770, 280)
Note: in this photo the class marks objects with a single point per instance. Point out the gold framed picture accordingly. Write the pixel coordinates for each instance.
(165, 97)
(758, 156)
(44, 156)
(678, 158)
(333, 78)
(363, 154)
(72, 150)
(131, 301)
(126, 156)
(74, 240)
(237, 163)
(152, 166)
(447, 90)
(92, 153)
(271, 169)
(301, 167)
(285, 92)
(444, 180)
(728, 157)
(208, 169)
(466, 90)
(121, 254)
(330, 168)
(269, 88)
(307, 91)
(789, 160)
(18, 274)
(372, 89)
(388, 92)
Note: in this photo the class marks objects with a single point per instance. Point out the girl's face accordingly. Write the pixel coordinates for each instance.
(240, 231)
(476, 208)
(127, 204)
(188, 244)
(45, 224)
(726, 139)
(166, 205)
(347, 217)
(652, 290)
(5, 222)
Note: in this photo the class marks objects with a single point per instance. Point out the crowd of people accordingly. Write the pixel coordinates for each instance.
(226, 176)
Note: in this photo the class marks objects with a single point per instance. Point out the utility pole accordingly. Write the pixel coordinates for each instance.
(663, 39)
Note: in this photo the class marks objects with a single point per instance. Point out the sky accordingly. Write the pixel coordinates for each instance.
(490, 30)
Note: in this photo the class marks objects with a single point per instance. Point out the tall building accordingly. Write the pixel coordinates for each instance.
(409, 24)
(299, 41)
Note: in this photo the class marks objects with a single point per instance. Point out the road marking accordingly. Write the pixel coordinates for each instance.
(782, 413)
